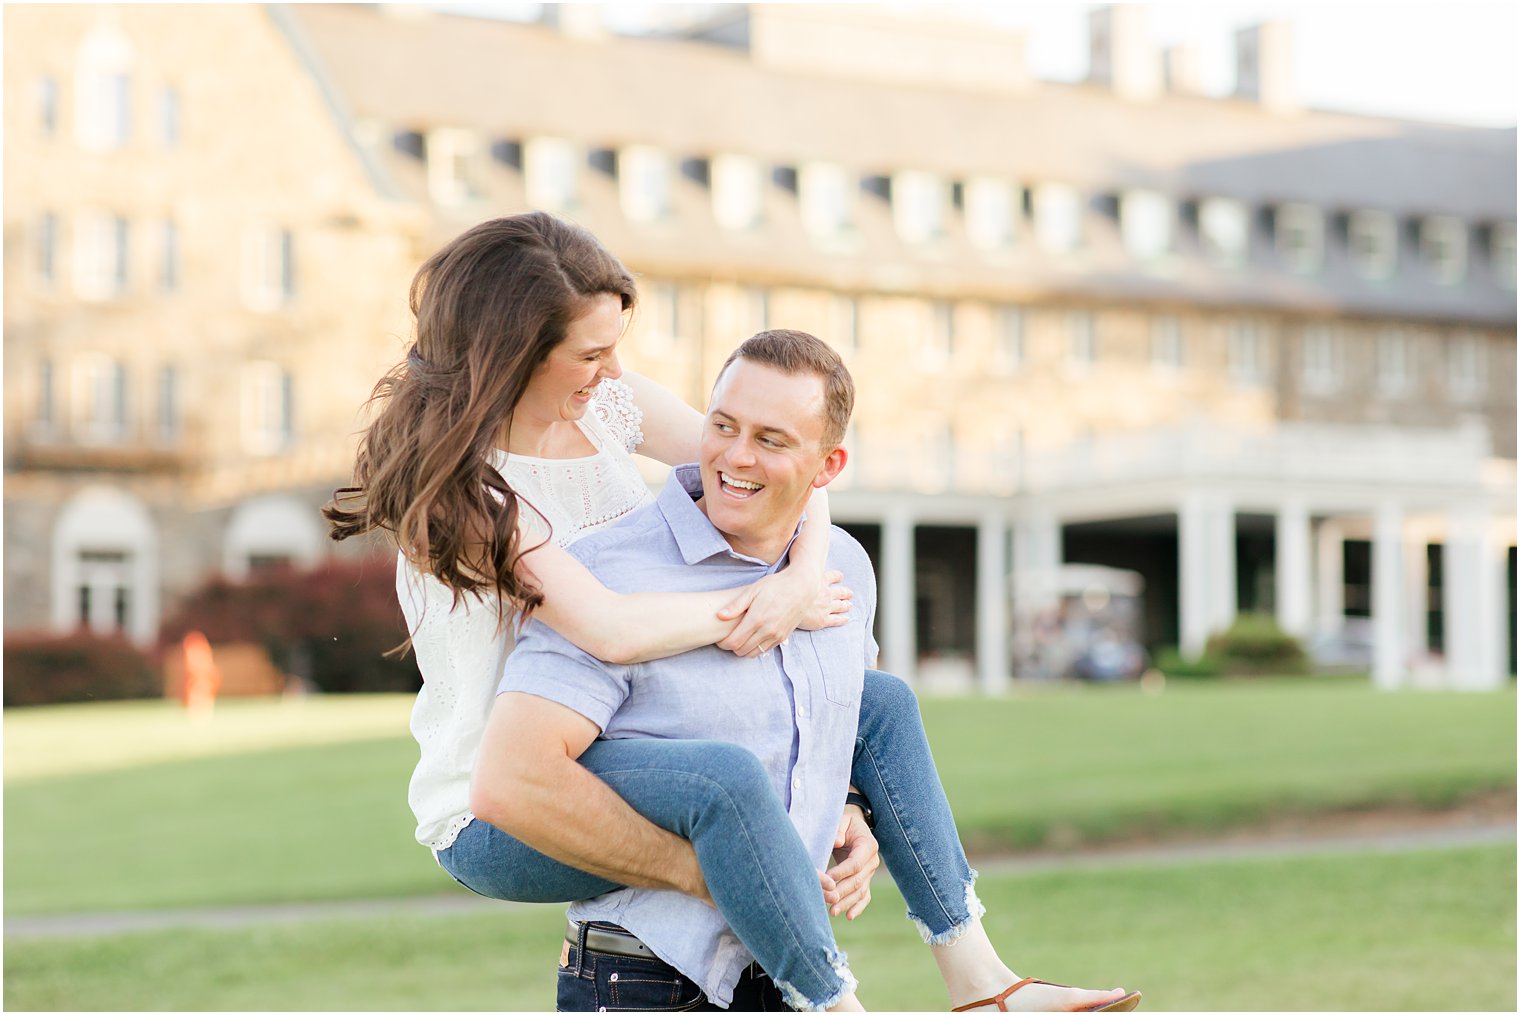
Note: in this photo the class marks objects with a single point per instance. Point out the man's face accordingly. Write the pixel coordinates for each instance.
(761, 457)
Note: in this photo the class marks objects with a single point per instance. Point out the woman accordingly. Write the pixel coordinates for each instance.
(504, 436)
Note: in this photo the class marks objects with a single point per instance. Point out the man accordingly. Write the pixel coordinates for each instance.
(772, 435)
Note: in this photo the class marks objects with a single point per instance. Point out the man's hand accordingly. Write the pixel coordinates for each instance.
(856, 858)
(770, 609)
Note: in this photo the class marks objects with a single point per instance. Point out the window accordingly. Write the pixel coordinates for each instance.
(941, 340)
(103, 91)
(101, 395)
(1224, 230)
(660, 308)
(827, 193)
(1395, 362)
(844, 324)
(1465, 367)
(1166, 343)
(1008, 324)
(1081, 341)
(47, 106)
(269, 280)
(1501, 253)
(551, 173)
(757, 308)
(45, 418)
(1372, 242)
(1145, 221)
(47, 249)
(1443, 245)
(168, 404)
(268, 408)
(1323, 360)
(168, 263)
(918, 206)
(1301, 238)
(1246, 350)
(736, 191)
(1057, 216)
(991, 207)
(102, 242)
(454, 159)
(103, 589)
(168, 118)
(644, 183)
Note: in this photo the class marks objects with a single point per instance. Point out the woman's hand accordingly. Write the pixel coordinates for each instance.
(770, 609)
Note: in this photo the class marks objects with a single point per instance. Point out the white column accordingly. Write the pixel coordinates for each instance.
(1221, 564)
(1330, 578)
(1388, 614)
(1036, 566)
(1473, 593)
(1416, 598)
(1193, 573)
(899, 584)
(1292, 570)
(992, 662)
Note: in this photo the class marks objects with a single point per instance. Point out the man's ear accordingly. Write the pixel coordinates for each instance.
(833, 465)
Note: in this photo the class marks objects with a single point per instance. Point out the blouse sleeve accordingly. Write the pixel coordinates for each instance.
(614, 407)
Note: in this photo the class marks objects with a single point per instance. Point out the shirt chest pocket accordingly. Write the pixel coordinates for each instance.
(835, 657)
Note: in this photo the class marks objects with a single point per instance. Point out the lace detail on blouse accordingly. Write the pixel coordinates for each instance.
(461, 650)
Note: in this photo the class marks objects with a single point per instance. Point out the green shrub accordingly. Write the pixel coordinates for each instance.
(48, 669)
(1170, 661)
(1254, 645)
(332, 625)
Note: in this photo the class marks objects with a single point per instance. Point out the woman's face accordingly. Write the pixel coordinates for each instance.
(560, 389)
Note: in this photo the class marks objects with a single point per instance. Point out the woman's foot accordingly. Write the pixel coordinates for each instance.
(1037, 996)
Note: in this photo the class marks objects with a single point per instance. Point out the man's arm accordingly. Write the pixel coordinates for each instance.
(529, 784)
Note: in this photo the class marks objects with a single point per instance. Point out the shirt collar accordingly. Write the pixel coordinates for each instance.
(696, 536)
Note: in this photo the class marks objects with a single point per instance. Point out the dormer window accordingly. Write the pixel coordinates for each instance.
(737, 189)
(1501, 253)
(454, 160)
(827, 193)
(1224, 229)
(1145, 221)
(1443, 246)
(1301, 237)
(918, 205)
(644, 174)
(1057, 216)
(1372, 243)
(551, 173)
(991, 207)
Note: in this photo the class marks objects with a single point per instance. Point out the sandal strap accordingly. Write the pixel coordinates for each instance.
(998, 999)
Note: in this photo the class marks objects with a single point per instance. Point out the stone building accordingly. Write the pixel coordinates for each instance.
(1261, 354)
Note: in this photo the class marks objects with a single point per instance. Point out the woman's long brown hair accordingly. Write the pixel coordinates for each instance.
(489, 308)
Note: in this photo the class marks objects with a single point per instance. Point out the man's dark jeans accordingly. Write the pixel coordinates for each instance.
(617, 983)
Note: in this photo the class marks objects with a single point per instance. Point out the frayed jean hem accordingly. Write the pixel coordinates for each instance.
(974, 911)
(799, 1001)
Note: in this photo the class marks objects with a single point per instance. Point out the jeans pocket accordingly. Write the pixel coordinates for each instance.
(644, 986)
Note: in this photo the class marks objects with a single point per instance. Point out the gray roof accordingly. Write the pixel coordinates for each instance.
(513, 80)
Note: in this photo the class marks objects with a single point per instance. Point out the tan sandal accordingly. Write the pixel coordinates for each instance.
(1129, 1002)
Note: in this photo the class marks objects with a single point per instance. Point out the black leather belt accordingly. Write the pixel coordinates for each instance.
(608, 939)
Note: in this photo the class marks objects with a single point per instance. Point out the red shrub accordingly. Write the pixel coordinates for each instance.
(45, 669)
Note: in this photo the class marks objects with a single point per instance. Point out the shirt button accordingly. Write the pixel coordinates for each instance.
(797, 782)
(802, 711)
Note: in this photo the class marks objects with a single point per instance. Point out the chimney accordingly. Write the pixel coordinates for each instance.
(577, 20)
(1264, 65)
(1120, 55)
(1182, 69)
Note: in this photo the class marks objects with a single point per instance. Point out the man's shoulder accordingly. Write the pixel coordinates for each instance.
(631, 530)
(847, 555)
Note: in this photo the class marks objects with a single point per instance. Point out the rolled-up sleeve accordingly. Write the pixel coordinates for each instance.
(546, 665)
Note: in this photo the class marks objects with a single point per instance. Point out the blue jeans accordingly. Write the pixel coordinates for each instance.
(717, 795)
(591, 981)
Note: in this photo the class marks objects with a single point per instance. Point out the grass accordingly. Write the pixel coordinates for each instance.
(225, 823)
(1412, 931)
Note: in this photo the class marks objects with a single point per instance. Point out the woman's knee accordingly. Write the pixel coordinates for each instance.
(887, 696)
(724, 766)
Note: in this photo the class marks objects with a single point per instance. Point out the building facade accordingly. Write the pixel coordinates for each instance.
(1262, 355)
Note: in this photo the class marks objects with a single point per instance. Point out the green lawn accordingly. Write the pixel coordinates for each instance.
(96, 818)
(1414, 931)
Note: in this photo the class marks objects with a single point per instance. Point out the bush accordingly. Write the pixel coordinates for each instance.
(332, 626)
(1170, 660)
(47, 669)
(1254, 645)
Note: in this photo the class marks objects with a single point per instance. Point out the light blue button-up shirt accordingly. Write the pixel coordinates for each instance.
(795, 707)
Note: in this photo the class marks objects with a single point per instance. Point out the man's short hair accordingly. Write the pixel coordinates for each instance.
(797, 352)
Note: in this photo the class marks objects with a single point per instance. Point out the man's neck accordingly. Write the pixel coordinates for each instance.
(768, 547)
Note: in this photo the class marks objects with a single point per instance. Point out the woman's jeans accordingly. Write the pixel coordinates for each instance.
(717, 795)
